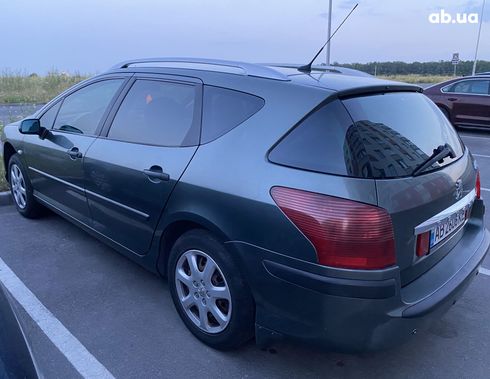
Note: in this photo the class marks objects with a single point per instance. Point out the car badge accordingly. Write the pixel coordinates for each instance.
(458, 193)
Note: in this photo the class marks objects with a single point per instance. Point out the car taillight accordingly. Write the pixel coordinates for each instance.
(478, 185)
(345, 233)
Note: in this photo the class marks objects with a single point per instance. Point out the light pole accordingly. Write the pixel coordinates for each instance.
(478, 38)
(329, 27)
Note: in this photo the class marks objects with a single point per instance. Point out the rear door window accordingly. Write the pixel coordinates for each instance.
(224, 109)
(378, 136)
(475, 87)
(158, 113)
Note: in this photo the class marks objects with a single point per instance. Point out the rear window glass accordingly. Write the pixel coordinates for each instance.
(386, 136)
(224, 109)
(317, 144)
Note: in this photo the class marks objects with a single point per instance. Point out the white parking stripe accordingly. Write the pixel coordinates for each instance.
(85, 363)
(485, 189)
(481, 155)
(484, 271)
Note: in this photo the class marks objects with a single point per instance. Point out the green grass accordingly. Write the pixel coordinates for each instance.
(21, 88)
(415, 79)
(3, 182)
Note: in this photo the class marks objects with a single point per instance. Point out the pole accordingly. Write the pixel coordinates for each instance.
(478, 38)
(329, 27)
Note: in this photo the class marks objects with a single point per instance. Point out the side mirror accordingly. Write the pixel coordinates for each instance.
(33, 126)
(30, 126)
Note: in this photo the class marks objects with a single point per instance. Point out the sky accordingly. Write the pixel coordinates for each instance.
(90, 36)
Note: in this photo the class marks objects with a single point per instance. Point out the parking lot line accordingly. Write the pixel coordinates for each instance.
(481, 156)
(484, 271)
(485, 189)
(85, 363)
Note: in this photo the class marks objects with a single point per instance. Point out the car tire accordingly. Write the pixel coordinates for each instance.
(21, 189)
(214, 289)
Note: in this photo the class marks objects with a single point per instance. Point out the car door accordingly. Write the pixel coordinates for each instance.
(471, 102)
(147, 142)
(55, 164)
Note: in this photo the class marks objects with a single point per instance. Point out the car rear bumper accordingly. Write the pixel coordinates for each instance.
(350, 315)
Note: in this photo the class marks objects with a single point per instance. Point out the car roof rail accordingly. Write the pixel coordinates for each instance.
(249, 69)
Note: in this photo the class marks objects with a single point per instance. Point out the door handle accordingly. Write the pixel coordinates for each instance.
(452, 98)
(156, 172)
(75, 153)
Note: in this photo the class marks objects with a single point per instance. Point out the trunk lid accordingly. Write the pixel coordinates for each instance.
(394, 134)
(416, 200)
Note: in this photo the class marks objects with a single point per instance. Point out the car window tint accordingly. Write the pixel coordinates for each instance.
(82, 111)
(480, 87)
(383, 139)
(224, 109)
(158, 113)
(471, 86)
(396, 132)
(317, 144)
(47, 119)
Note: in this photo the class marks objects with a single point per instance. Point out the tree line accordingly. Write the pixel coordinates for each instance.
(418, 68)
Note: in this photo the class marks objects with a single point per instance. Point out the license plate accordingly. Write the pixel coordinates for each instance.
(447, 226)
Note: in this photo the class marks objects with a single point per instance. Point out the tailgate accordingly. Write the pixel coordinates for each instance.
(415, 201)
(422, 170)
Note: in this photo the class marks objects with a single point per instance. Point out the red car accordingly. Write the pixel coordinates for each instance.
(465, 101)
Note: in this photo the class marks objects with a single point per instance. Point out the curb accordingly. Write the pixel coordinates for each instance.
(5, 198)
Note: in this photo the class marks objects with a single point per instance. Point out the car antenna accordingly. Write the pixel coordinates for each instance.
(307, 68)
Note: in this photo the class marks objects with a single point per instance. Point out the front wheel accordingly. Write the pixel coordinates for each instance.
(21, 189)
(208, 291)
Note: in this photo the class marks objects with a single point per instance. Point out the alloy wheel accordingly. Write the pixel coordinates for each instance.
(18, 186)
(203, 291)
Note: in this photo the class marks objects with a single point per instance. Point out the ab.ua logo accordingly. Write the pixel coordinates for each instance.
(443, 17)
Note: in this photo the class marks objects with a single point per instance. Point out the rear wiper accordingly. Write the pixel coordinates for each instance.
(438, 155)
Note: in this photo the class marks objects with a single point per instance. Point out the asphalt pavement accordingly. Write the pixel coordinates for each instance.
(124, 316)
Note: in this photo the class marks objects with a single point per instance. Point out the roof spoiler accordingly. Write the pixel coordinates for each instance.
(369, 90)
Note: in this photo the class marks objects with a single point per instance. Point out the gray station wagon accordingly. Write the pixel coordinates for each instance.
(324, 206)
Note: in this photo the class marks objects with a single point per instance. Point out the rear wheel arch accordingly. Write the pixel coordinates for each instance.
(177, 228)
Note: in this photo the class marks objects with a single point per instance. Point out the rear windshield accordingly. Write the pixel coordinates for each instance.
(378, 136)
